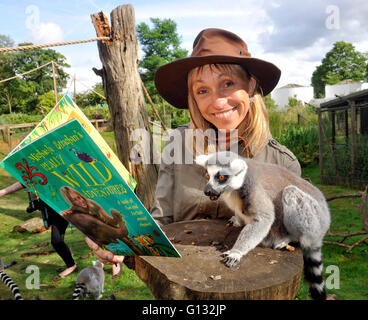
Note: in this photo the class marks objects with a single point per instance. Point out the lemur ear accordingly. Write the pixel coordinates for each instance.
(202, 160)
(238, 165)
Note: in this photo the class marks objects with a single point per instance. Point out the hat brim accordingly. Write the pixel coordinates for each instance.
(171, 78)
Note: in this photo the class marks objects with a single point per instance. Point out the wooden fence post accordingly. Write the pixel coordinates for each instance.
(123, 92)
(320, 143)
(353, 140)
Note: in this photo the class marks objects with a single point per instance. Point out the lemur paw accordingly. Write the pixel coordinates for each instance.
(231, 257)
(234, 221)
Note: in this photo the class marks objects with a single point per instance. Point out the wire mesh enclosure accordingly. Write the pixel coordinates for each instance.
(343, 140)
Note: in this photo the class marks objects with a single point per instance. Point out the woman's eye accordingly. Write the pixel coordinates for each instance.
(201, 91)
(229, 83)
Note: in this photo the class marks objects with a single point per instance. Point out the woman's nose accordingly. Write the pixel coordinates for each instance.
(219, 102)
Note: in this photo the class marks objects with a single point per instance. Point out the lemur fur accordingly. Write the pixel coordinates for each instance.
(275, 207)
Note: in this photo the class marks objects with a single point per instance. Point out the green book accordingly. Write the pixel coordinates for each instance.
(67, 170)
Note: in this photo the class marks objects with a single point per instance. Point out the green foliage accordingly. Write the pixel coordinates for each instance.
(269, 103)
(89, 98)
(299, 134)
(173, 117)
(102, 111)
(303, 142)
(161, 45)
(15, 118)
(342, 156)
(342, 62)
(23, 94)
(47, 102)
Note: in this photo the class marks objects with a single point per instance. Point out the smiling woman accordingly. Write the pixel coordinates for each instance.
(222, 86)
(220, 93)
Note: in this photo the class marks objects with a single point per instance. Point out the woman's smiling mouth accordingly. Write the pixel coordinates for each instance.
(225, 114)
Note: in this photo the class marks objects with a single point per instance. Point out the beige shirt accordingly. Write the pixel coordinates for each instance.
(180, 187)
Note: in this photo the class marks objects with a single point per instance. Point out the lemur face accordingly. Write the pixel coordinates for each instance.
(225, 171)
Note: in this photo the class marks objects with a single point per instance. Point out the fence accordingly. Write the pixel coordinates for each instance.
(343, 141)
(9, 131)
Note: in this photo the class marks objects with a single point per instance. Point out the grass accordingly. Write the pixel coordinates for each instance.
(352, 266)
(353, 284)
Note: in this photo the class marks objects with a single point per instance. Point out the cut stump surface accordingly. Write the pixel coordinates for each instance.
(262, 274)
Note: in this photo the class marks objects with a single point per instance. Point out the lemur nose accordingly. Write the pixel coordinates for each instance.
(208, 191)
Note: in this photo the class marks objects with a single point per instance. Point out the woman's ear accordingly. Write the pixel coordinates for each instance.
(252, 86)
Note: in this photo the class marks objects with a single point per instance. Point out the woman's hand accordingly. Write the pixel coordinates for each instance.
(105, 256)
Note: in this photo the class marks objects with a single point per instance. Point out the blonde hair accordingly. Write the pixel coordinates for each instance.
(254, 129)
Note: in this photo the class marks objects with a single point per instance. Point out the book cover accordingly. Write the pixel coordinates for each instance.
(67, 170)
(64, 111)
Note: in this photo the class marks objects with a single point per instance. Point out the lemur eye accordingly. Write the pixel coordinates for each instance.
(221, 177)
(207, 176)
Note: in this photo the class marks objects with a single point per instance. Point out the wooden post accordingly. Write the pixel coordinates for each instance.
(123, 92)
(353, 139)
(320, 143)
(333, 120)
(54, 79)
(347, 127)
(75, 88)
(163, 108)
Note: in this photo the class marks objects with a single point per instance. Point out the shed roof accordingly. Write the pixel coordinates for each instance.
(340, 101)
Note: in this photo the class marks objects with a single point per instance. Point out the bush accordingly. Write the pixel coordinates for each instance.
(174, 117)
(15, 118)
(303, 142)
(103, 111)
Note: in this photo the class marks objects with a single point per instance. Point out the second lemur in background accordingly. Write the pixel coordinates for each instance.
(8, 281)
(275, 207)
(90, 281)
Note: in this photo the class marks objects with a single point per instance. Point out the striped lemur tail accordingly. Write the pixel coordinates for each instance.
(79, 290)
(313, 267)
(9, 282)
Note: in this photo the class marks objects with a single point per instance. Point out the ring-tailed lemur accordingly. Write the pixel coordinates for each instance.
(276, 207)
(8, 281)
(90, 280)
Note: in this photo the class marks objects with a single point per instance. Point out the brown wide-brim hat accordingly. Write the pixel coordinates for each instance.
(212, 46)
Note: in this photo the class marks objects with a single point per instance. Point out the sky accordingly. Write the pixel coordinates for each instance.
(294, 35)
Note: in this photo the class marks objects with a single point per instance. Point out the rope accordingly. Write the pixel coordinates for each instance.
(37, 46)
(19, 75)
(100, 95)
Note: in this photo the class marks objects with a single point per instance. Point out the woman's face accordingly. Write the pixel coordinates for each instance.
(222, 97)
(78, 200)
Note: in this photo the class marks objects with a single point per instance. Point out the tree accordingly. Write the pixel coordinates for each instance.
(90, 98)
(7, 89)
(342, 62)
(46, 102)
(160, 45)
(23, 94)
(41, 80)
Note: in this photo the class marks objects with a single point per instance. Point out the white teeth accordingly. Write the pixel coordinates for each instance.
(224, 114)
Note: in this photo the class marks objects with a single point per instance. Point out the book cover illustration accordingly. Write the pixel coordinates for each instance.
(64, 111)
(68, 171)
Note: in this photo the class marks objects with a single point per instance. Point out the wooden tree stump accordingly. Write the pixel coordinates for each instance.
(123, 91)
(262, 274)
